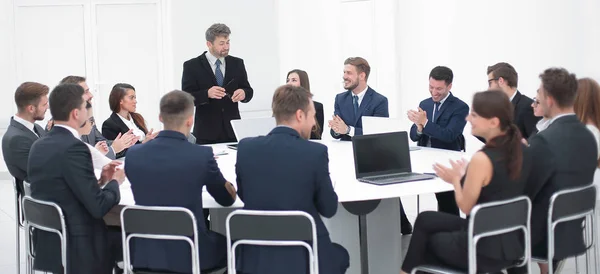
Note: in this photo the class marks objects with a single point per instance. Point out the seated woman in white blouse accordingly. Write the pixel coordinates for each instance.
(123, 102)
(99, 158)
(587, 109)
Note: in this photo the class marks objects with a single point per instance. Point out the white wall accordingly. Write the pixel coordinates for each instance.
(7, 69)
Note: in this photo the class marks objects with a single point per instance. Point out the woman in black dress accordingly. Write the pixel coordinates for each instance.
(496, 172)
(299, 78)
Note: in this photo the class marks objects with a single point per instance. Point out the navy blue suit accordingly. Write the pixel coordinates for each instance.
(373, 104)
(170, 171)
(445, 133)
(282, 171)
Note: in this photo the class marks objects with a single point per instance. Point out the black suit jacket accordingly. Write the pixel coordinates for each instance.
(61, 171)
(16, 143)
(213, 116)
(523, 115)
(565, 157)
(170, 171)
(113, 126)
(320, 121)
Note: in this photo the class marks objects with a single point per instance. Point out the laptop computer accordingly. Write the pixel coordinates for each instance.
(251, 127)
(376, 125)
(383, 159)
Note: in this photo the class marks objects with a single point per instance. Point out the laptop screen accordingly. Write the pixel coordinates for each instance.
(381, 154)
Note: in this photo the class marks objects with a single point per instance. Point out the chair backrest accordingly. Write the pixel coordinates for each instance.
(252, 127)
(496, 218)
(159, 223)
(462, 142)
(46, 216)
(562, 208)
(271, 228)
(26, 188)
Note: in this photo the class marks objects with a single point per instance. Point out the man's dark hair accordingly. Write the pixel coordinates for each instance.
(29, 93)
(64, 99)
(175, 107)
(71, 79)
(506, 71)
(560, 85)
(440, 73)
(289, 99)
(360, 64)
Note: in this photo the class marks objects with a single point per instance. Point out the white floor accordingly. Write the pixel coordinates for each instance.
(7, 226)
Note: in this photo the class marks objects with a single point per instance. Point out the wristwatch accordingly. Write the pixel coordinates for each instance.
(348, 131)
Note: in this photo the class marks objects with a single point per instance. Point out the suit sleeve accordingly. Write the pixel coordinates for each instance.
(215, 182)
(19, 150)
(190, 85)
(336, 111)
(326, 198)
(454, 129)
(542, 168)
(529, 122)
(320, 119)
(413, 129)
(100, 138)
(244, 84)
(79, 175)
(109, 132)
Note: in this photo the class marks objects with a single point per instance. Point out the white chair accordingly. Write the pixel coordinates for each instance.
(252, 127)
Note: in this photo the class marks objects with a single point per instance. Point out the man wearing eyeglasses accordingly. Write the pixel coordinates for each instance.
(503, 76)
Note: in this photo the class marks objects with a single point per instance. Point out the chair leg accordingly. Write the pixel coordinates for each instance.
(18, 246)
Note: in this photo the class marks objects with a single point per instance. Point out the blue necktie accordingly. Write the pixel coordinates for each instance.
(355, 103)
(218, 73)
(435, 112)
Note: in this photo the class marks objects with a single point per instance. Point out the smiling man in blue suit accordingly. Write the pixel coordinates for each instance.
(439, 123)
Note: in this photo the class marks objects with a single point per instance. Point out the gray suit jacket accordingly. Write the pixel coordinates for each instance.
(16, 143)
(94, 137)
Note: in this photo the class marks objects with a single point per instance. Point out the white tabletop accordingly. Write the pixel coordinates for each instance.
(341, 168)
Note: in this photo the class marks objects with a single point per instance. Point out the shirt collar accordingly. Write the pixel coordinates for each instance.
(125, 120)
(513, 96)
(212, 59)
(72, 130)
(24, 122)
(361, 94)
(558, 116)
(444, 100)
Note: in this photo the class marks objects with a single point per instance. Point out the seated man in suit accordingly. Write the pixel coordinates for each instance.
(95, 138)
(358, 100)
(439, 123)
(170, 171)
(503, 76)
(284, 171)
(32, 102)
(60, 171)
(565, 158)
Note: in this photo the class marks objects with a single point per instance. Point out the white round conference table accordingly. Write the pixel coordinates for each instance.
(373, 237)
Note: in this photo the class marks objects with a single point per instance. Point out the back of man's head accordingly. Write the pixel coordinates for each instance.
(287, 100)
(29, 93)
(64, 99)
(72, 79)
(561, 85)
(176, 108)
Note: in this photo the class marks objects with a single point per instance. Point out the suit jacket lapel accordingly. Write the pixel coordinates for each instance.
(24, 129)
(207, 67)
(115, 117)
(443, 107)
(366, 101)
(516, 99)
(228, 70)
(40, 130)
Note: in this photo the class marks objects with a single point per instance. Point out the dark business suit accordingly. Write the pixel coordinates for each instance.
(319, 121)
(523, 115)
(113, 126)
(95, 137)
(444, 133)
(372, 104)
(213, 116)
(282, 171)
(60, 171)
(16, 143)
(170, 171)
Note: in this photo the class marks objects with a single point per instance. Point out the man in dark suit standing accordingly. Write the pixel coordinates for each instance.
(357, 101)
(284, 171)
(503, 76)
(565, 158)
(61, 171)
(218, 82)
(439, 123)
(170, 171)
(32, 102)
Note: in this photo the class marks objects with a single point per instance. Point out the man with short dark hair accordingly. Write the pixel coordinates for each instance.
(32, 102)
(61, 171)
(439, 123)
(285, 171)
(170, 171)
(503, 76)
(218, 82)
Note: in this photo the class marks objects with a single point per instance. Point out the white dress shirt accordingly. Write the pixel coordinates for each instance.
(513, 96)
(98, 159)
(131, 125)
(72, 130)
(361, 96)
(542, 124)
(26, 123)
(212, 60)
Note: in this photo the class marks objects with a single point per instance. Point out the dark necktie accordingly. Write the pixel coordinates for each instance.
(219, 73)
(355, 103)
(435, 111)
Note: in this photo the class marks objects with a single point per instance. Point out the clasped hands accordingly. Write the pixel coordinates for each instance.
(111, 172)
(217, 92)
(337, 125)
(451, 174)
(419, 117)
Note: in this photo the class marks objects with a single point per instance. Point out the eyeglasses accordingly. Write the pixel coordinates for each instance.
(490, 81)
(92, 121)
(535, 101)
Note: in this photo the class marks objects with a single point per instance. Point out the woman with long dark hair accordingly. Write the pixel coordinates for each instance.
(123, 103)
(299, 78)
(496, 172)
